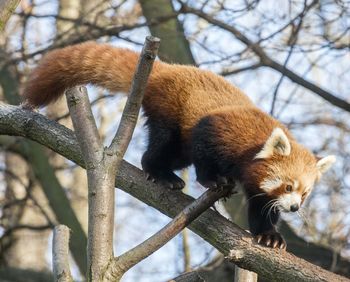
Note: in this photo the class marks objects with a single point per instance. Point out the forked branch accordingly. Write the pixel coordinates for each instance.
(127, 260)
(102, 163)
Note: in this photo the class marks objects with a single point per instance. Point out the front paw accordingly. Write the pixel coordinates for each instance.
(220, 183)
(169, 180)
(271, 239)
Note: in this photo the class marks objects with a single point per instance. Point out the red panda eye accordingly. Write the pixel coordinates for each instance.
(289, 188)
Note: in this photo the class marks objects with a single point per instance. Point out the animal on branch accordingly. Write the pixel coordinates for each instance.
(195, 117)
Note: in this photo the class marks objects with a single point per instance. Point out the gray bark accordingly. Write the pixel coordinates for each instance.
(60, 254)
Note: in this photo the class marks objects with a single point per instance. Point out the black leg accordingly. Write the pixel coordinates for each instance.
(262, 222)
(164, 149)
(211, 167)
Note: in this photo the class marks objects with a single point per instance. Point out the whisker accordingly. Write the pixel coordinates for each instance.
(303, 216)
(257, 195)
(277, 205)
(269, 212)
(267, 205)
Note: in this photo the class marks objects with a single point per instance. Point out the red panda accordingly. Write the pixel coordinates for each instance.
(195, 117)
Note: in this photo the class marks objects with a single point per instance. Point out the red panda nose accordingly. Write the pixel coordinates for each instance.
(294, 207)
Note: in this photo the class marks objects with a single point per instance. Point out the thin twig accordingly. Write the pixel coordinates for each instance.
(60, 254)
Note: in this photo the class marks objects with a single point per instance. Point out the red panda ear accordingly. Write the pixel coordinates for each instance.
(325, 163)
(277, 143)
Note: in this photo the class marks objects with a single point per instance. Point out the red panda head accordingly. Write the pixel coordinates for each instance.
(286, 171)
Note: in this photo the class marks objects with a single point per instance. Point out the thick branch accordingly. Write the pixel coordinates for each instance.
(175, 48)
(224, 235)
(60, 254)
(100, 169)
(174, 227)
(266, 60)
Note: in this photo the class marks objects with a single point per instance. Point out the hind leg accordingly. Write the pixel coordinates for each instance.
(164, 150)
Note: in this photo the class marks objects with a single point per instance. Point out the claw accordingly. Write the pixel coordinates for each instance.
(271, 239)
(283, 246)
(268, 241)
(275, 244)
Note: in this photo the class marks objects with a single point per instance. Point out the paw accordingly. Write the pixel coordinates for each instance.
(169, 180)
(220, 183)
(271, 239)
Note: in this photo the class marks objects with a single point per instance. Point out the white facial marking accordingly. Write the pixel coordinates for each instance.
(269, 185)
(277, 143)
(287, 200)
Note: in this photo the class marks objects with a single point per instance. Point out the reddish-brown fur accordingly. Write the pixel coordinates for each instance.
(183, 93)
(194, 116)
(180, 94)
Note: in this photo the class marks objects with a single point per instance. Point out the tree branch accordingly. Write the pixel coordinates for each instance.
(7, 7)
(60, 252)
(84, 125)
(127, 260)
(102, 164)
(229, 239)
(130, 114)
(100, 174)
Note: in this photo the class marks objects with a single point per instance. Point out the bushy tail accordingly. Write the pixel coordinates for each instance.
(99, 64)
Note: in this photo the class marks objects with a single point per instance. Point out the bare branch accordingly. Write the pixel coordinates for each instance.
(102, 164)
(185, 217)
(128, 121)
(60, 254)
(100, 168)
(7, 7)
(84, 124)
(242, 69)
(224, 235)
